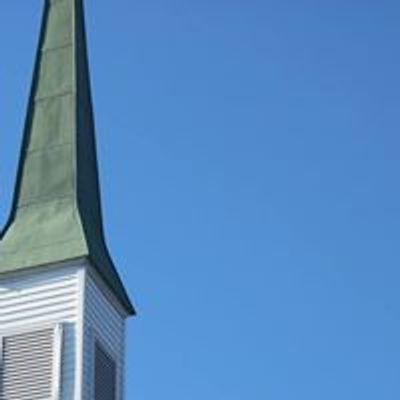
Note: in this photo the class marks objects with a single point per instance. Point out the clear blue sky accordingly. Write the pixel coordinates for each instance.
(250, 164)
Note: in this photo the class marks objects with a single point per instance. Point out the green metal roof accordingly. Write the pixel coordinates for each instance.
(56, 212)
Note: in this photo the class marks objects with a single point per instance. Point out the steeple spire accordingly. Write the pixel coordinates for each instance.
(56, 212)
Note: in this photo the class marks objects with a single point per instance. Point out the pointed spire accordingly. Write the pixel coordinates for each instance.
(56, 212)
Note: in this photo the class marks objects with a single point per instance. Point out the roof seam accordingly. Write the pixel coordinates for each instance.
(46, 148)
(42, 246)
(39, 99)
(43, 200)
(59, 47)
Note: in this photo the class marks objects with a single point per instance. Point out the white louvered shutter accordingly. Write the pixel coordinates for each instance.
(105, 370)
(29, 365)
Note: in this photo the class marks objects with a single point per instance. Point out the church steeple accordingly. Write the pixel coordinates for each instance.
(56, 212)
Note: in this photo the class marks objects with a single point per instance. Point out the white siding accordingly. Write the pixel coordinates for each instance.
(32, 300)
(72, 296)
(102, 321)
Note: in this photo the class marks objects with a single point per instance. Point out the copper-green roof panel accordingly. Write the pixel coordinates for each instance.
(56, 212)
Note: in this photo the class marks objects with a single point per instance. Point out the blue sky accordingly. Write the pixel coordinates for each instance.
(250, 168)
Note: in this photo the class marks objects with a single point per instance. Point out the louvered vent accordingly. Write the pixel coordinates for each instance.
(27, 366)
(105, 375)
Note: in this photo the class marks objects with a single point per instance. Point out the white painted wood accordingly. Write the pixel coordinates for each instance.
(76, 297)
(80, 332)
(57, 361)
(34, 300)
(103, 321)
(27, 361)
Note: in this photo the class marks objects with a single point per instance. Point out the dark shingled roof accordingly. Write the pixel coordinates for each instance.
(56, 212)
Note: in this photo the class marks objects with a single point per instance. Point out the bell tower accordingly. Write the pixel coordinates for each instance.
(63, 306)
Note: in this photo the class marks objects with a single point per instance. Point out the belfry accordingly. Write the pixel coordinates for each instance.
(63, 306)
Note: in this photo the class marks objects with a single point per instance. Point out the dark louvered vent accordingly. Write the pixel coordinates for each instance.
(105, 375)
(27, 366)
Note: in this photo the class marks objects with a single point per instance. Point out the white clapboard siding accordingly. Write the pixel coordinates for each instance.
(45, 298)
(105, 324)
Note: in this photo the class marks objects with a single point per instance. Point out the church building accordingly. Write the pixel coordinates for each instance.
(63, 306)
